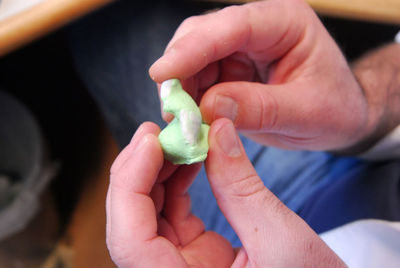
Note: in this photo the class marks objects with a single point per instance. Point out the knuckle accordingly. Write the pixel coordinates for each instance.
(246, 187)
(269, 110)
(252, 187)
(314, 251)
(277, 208)
(120, 255)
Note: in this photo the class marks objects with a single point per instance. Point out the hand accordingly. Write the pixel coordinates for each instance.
(273, 69)
(149, 223)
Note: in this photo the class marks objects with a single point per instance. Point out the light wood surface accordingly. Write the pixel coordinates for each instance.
(41, 19)
(385, 11)
(372, 10)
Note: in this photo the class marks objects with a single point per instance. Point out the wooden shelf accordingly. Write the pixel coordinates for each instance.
(50, 15)
(41, 19)
(384, 11)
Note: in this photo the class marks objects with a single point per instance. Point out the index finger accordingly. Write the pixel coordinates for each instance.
(129, 190)
(132, 236)
(268, 28)
(131, 214)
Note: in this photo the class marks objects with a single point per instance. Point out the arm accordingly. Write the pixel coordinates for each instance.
(378, 73)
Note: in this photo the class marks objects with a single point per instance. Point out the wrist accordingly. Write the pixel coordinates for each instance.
(378, 74)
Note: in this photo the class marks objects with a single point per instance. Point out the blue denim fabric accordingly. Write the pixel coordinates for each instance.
(293, 176)
(325, 190)
(113, 50)
(367, 191)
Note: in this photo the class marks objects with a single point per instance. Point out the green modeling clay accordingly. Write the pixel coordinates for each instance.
(185, 139)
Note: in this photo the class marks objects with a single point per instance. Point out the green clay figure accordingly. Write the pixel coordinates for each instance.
(185, 139)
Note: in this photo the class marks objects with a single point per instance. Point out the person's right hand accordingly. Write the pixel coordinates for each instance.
(271, 234)
(273, 69)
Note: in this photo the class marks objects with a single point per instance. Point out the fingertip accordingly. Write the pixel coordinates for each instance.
(142, 130)
(156, 71)
(150, 127)
(151, 141)
(220, 102)
(206, 107)
(224, 140)
(226, 150)
(147, 128)
(141, 167)
(164, 68)
(208, 102)
(150, 71)
(217, 125)
(142, 134)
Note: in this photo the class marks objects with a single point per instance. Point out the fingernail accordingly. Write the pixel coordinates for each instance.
(141, 143)
(226, 107)
(228, 140)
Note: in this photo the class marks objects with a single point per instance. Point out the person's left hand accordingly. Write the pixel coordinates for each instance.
(149, 221)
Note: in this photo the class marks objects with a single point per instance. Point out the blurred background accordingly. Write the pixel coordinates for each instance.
(57, 139)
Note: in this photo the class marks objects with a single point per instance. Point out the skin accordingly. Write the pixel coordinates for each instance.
(273, 69)
(149, 223)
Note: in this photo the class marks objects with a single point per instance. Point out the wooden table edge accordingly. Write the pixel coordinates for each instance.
(41, 19)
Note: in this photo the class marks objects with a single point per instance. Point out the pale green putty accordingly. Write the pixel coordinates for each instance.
(185, 139)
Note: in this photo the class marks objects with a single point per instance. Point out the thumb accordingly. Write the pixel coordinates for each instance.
(268, 230)
(240, 193)
(249, 105)
(256, 107)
